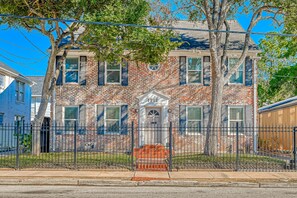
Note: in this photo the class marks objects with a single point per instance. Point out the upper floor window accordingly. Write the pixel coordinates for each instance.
(112, 119)
(237, 77)
(194, 119)
(70, 117)
(71, 70)
(236, 115)
(1, 119)
(2, 83)
(20, 91)
(113, 73)
(194, 70)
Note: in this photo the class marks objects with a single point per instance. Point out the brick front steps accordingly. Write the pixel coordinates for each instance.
(151, 158)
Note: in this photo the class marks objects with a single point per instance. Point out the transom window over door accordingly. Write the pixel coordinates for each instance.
(194, 120)
(236, 115)
(71, 70)
(113, 73)
(112, 119)
(194, 70)
(70, 117)
(237, 77)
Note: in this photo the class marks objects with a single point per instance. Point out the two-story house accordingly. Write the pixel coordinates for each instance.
(15, 104)
(113, 95)
(15, 96)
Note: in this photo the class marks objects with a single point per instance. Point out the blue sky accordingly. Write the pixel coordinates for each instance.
(17, 52)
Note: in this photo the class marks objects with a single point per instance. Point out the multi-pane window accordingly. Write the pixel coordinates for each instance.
(71, 70)
(2, 83)
(194, 70)
(70, 118)
(112, 119)
(18, 119)
(194, 119)
(236, 115)
(1, 119)
(237, 77)
(20, 91)
(113, 73)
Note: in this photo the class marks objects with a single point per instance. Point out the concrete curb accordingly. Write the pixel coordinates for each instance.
(127, 183)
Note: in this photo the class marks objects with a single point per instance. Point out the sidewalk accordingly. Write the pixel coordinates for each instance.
(125, 178)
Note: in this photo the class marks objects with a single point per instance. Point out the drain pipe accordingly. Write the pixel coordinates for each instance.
(255, 105)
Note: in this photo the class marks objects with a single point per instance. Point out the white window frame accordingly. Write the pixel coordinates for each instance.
(3, 82)
(229, 115)
(187, 120)
(17, 90)
(243, 72)
(187, 66)
(105, 73)
(149, 65)
(105, 125)
(77, 120)
(78, 70)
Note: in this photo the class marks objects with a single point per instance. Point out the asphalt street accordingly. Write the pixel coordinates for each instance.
(143, 192)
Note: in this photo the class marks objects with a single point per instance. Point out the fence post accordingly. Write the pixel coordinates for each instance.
(237, 146)
(132, 146)
(170, 146)
(294, 149)
(18, 145)
(74, 146)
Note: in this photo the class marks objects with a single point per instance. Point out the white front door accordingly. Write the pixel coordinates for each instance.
(153, 127)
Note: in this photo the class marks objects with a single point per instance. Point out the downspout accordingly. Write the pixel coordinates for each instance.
(255, 106)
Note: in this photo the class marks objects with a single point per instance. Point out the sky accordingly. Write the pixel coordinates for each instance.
(27, 52)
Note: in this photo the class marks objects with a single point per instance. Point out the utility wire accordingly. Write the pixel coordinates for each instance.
(21, 64)
(17, 56)
(15, 45)
(31, 42)
(142, 26)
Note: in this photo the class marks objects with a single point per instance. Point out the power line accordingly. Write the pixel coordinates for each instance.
(17, 56)
(16, 45)
(21, 64)
(142, 26)
(31, 42)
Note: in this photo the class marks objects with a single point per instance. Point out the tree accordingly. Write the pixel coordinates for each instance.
(277, 70)
(216, 14)
(107, 42)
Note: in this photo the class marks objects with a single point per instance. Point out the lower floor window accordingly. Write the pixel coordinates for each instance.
(1, 119)
(236, 115)
(112, 119)
(70, 118)
(18, 119)
(194, 121)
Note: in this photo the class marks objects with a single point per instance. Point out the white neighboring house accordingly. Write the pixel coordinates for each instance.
(15, 96)
(15, 104)
(36, 97)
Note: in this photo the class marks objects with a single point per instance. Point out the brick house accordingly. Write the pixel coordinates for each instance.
(112, 96)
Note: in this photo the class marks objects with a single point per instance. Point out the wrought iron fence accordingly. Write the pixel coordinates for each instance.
(136, 147)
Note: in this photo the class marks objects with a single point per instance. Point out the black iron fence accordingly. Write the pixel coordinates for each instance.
(134, 147)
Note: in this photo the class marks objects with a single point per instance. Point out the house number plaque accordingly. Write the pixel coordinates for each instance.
(152, 99)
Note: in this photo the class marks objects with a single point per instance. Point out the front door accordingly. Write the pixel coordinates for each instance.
(153, 127)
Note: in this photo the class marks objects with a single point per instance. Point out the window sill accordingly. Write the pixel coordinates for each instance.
(236, 84)
(72, 83)
(194, 134)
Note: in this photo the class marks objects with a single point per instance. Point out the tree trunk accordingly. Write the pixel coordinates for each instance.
(211, 143)
(46, 93)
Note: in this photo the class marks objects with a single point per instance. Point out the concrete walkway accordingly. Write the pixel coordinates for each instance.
(125, 178)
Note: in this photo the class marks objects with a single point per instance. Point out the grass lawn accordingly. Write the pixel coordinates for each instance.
(66, 160)
(226, 161)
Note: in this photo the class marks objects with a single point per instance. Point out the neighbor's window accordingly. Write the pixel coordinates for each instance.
(20, 90)
(237, 77)
(2, 83)
(19, 119)
(71, 70)
(194, 119)
(113, 73)
(1, 119)
(112, 119)
(236, 115)
(194, 70)
(70, 117)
